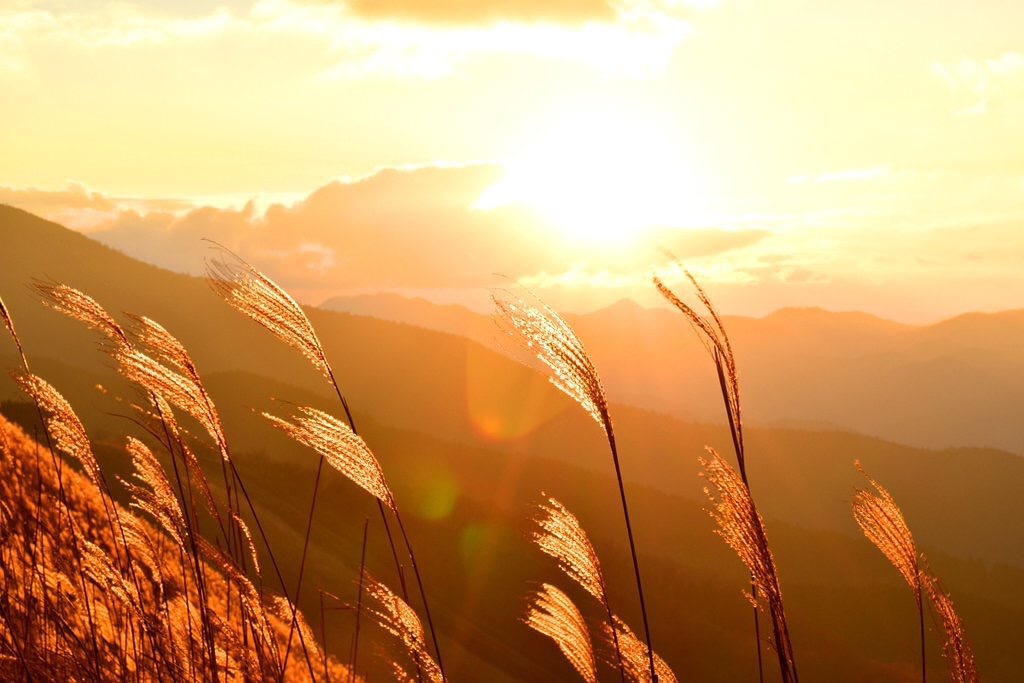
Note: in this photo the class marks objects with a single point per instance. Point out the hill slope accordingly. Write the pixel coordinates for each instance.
(469, 439)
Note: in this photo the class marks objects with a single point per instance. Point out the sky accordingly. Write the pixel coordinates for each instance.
(854, 154)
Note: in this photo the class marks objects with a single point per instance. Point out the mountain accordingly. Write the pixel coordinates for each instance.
(956, 383)
(469, 438)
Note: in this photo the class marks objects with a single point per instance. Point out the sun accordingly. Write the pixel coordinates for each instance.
(600, 177)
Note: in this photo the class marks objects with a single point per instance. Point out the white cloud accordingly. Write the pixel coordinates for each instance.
(983, 80)
(640, 43)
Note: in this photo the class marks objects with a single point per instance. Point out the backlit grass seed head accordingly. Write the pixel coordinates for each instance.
(396, 617)
(143, 549)
(284, 609)
(555, 345)
(244, 529)
(343, 449)
(167, 421)
(956, 649)
(81, 307)
(562, 537)
(883, 524)
(635, 659)
(181, 390)
(99, 568)
(257, 296)
(8, 323)
(153, 493)
(62, 423)
(739, 523)
(163, 345)
(553, 614)
(711, 331)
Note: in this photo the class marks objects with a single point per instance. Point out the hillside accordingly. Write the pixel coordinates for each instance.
(470, 438)
(72, 597)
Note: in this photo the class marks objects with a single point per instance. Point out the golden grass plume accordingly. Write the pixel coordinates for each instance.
(62, 423)
(741, 527)
(555, 345)
(400, 620)
(956, 648)
(561, 536)
(265, 302)
(634, 654)
(552, 613)
(82, 307)
(343, 449)
(882, 522)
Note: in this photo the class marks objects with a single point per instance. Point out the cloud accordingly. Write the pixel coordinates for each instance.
(117, 25)
(370, 38)
(691, 243)
(463, 12)
(478, 12)
(985, 81)
(405, 38)
(400, 228)
(81, 208)
(396, 228)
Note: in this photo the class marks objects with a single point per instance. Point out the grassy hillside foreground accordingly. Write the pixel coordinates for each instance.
(73, 606)
(470, 487)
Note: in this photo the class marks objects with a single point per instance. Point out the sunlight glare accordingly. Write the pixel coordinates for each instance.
(599, 178)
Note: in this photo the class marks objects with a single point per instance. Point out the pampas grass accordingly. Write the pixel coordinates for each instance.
(396, 617)
(262, 300)
(177, 381)
(635, 654)
(556, 346)
(712, 334)
(882, 522)
(561, 537)
(553, 614)
(343, 449)
(956, 648)
(94, 591)
(741, 527)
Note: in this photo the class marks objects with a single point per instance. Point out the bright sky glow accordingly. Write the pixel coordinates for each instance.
(784, 148)
(601, 176)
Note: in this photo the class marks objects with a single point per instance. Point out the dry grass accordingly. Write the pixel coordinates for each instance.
(739, 522)
(400, 620)
(553, 614)
(956, 648)
(262, 300)
(554, 344)
(635, 655)
(343, 449)
(92, 590)
(74, 607)
(882, 522)
(741, 527)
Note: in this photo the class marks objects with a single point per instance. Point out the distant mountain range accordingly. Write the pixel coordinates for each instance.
(959, 382)
(469, 438)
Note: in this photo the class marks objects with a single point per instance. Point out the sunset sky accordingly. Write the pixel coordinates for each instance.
(853, 154)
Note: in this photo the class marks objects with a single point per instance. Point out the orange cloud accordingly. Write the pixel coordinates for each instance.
(79, 207)
(476, 12)
(396, 229)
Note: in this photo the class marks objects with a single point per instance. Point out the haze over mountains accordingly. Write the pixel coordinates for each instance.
(470, 438)
(959, 382)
